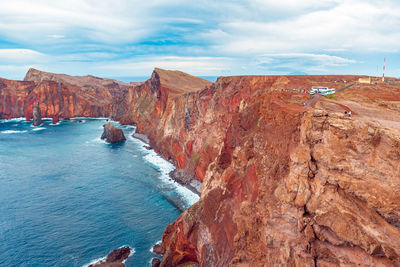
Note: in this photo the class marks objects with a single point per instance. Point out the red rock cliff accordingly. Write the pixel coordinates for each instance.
(282, 184)
(59, 95)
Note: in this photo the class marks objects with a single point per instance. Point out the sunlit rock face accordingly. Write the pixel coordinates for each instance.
(59, 96)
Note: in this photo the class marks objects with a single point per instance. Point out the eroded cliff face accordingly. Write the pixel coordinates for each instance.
(60, 96)
(282, 184)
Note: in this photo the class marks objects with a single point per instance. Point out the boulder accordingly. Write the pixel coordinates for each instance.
(158, 249)
(155, 262)
(112, 134)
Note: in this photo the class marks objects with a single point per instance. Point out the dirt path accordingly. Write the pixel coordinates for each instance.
(315, 98)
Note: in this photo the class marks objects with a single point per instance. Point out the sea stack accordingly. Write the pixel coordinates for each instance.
(114, 259)
(37, 119)
(112, 134)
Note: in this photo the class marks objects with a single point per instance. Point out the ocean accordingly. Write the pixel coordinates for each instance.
(68, 198)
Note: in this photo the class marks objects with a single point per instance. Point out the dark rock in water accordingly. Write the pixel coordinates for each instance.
(147, 147)
(56, 119)
(112, 134)
(37, 118)
(155, 262)
(158, 249)
(80, 121)
(114, 259)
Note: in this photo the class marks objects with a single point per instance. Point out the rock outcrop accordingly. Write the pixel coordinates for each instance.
(114, 259)
(37, 119)
(112, 134)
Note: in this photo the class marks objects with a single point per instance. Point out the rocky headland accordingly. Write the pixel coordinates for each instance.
(60, 96)
(282, 183)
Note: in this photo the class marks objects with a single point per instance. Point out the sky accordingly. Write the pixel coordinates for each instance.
(122, 38)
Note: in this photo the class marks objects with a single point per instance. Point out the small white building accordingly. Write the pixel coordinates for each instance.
(364, 80)
(322, 90)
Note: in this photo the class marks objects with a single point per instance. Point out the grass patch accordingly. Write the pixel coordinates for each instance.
(195, 157)
(331, 97)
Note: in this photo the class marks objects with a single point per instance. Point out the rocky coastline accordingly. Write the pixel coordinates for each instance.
(178, 176)
(282, 184)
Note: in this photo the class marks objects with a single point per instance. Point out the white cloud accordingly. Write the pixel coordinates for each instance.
(20, 55)
(206, 37)
(358, 25)
(192, 65)
(323, 59)
(56, 36)
(101, 21)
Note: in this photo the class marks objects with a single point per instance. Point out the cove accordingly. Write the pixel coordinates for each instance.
(68, 198)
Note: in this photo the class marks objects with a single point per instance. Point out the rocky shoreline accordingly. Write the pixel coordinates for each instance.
(178, 176)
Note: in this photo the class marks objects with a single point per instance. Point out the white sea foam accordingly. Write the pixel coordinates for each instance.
(38, 128)
(13, 131)
(128, 126)
(12, 120)
(33, 126)
(97, 140)
(102, 259)
(130, 255)
(90, 118)
(165, 167)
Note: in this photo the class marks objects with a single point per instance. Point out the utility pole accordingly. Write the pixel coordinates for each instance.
(383, 75)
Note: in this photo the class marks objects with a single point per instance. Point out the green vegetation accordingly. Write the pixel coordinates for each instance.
(195, 157)
(331, 97)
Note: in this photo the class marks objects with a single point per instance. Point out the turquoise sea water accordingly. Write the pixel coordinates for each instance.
(67, 198)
